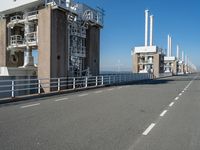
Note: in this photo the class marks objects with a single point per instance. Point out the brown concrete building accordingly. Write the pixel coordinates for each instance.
(148, 60)
(171, 65)
(65, 34)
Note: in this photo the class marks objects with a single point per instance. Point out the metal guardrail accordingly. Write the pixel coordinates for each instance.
(27, 87)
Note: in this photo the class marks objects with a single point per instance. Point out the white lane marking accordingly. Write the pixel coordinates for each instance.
(171, 104)
(176, 98)
(110, 89)
(119, 87)
(97, 92)
(82, 95)
(180, 94)
(146, 132)
(183, 91)
(163, 113)
(62, 99)
(31, 105)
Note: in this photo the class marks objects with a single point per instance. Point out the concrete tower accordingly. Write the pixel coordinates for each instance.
(65, 33)
(148, 58)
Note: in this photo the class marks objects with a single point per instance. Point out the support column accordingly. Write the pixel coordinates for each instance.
(93, 50)
(52, 45)
(135, 63)
(151, 29)
(175, 68)
(156, 65)
(28, 58)
(146, 26)
(3, 42)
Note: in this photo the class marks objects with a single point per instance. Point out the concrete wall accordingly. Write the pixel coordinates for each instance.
(156, 65)
(59, 44)
(3, 42)
(52, 44)
(175, 68)
(93, 50)
(44, 43)
(135, 63)
(182, 68)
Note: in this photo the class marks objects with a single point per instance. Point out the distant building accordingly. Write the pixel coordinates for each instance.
(170, 61)
(148, 58)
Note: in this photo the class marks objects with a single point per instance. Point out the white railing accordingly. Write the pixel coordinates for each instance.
(31, 37)
(60, 3)
(27, 87)
(31, 13)
(16, 40)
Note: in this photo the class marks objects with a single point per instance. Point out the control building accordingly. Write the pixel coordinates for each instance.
(66, 35)
(171, 62)
(148, 58)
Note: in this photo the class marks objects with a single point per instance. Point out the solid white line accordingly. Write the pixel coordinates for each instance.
(176, 98)
(82, 95)
(62, 99)
(97, 92)
(163, 113)
(146, 132)
(119, 87)
(31, 105)
(171, 104)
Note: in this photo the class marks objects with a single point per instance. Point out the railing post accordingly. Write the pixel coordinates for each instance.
(58, 84)
(102, 83)
(86, 82)
(13, 89)
(39, 83)
(96, 80)
(109, 80)
(74, 83)
(114, 79)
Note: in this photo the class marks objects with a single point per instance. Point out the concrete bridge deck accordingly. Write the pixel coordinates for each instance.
(161, 114)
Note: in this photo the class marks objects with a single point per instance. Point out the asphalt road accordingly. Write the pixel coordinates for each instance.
(157, 115)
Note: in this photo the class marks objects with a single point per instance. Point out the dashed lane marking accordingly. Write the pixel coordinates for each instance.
(97, 92)
(31, 105)
(171, 104)
(62, 99)
(82, 95)
(176, 98)
(163, 113)
(146, 132)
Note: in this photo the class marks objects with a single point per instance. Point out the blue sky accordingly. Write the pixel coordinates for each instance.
(124, 28)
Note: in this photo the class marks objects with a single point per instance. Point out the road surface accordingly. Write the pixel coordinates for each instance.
(157, 115)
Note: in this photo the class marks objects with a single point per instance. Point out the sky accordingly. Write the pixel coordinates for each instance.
(124, 28)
